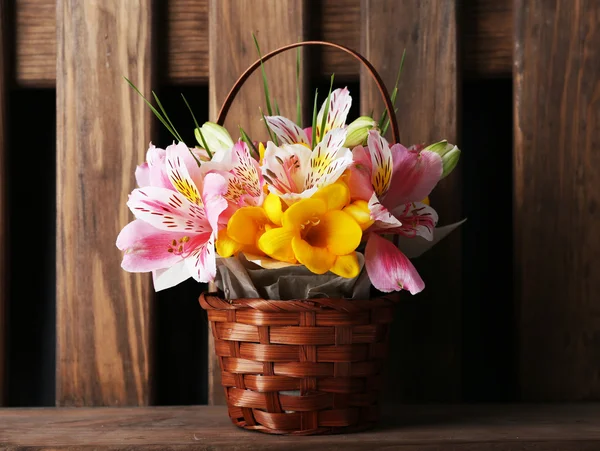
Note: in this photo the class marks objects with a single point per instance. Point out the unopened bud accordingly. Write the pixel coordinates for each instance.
(358, 131)
(449, 153)
(215, 137)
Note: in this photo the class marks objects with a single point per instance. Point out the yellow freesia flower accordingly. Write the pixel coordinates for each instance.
(244, 229)
(359, 210)
(317, 233)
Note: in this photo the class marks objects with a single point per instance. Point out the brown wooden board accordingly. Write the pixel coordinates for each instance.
(487, 38)
(4, 77)
(232, 50)
(429, 428)
(184, 23)
(426, 336)
(557, 197)
(103, 130)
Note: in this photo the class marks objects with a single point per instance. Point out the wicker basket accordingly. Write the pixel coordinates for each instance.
(329, 350)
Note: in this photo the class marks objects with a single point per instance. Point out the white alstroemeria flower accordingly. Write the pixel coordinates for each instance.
(294, 172)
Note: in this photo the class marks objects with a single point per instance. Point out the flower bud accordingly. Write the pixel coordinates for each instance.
(216, 137)
(359, 210)
(358, 131)
(449, 153)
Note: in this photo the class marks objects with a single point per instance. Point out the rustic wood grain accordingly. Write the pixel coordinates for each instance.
(557, 197)
(4, 77)
(35, 54)
(475, 427)
(232, 50)
(487, 40)
(338, 22)
(426, 336)
(103, 131)
(187, 43)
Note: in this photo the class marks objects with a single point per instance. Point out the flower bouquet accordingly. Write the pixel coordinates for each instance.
(297, 230)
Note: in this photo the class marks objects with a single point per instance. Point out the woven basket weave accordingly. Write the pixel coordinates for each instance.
(330, 350)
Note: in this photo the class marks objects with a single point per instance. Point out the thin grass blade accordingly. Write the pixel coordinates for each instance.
(326, 112)
(314, 121)
(249, 142)
(153, 109)
(298, 98)
(264, 76)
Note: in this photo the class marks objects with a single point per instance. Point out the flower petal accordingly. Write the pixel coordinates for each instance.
(215, 187)
(336, 195)
(318, 260)
(339, 106)
(277, 243)
(246, 169)
(389, 269)
(182, 173)
(302, 213)
(202, 263)
(168, 210)
(226, 246)
(383, 218)
(287, 132)
(247, 224)
(415, 174)
(155, 158)
(381, 161)
(170, 277)
(328, 160)
(359, 210)
(142, 175)
(147, 248)
(283, 167)
(273, 208)
(359, 174)
(417, 219)
(346, 266)
(337, 231)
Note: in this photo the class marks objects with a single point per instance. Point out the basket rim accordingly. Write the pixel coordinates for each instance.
(214, 301)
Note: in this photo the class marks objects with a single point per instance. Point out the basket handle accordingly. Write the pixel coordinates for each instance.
(382, 89)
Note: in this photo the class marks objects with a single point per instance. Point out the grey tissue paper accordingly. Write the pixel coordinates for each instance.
(239, 277)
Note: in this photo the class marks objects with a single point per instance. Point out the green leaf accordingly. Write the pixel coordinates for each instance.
(387, 123)
(264, 76)
(314, 121)
(384, 119)
(271, 134)
(277, 108)
(298, 98)
(204, 141)
(166, 116)
(326, 112)
(248, 141)
(198, 127)
(154, 110)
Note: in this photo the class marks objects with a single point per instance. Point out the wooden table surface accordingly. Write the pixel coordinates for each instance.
(562, 427)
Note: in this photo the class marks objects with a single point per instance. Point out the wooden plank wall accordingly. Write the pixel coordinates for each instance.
(487, 50)
(231, 25)
(426, 337)
(557, 197)
(4, 79)
(103, 131)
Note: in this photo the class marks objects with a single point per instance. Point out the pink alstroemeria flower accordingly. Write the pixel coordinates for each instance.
(242, 173)
(394, 181)
(176, 219)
